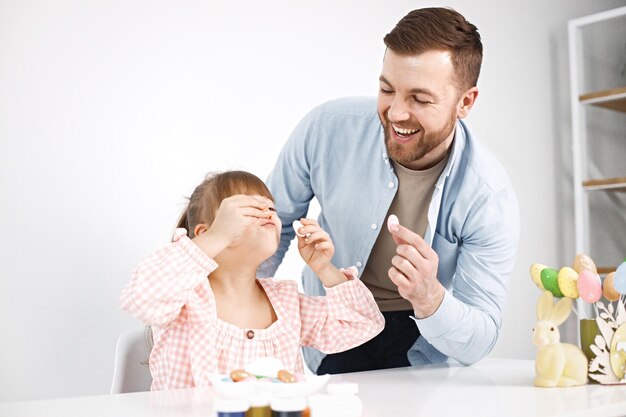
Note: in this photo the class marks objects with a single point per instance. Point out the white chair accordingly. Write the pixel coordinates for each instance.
(131, 372)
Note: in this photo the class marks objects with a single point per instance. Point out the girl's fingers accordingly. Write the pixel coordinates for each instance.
(308, 222)
(254, 212)
(317, 237)
(323, 245)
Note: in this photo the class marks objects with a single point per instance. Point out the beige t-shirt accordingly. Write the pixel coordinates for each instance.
(410, 204)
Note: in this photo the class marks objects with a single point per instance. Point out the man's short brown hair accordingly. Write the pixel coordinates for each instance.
(443, 29)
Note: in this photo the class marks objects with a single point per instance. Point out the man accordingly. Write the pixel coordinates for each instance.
(440, 277)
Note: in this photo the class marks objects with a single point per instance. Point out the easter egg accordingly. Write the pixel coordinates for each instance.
(392, 222)
(238, 375)
(620, 278)
(286, 376)
(535, 274)
(549, 279)
(608, 288)
(589, 286)
(583, 262)
(618, 352)
(567, 280)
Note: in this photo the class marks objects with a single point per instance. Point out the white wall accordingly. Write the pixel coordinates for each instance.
(111, 112)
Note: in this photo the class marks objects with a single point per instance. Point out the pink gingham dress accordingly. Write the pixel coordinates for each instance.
(169, 290)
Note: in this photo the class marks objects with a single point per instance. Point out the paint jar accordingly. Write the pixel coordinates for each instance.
(341, 401)
(288, 407)
(259, 407)
(231, 407)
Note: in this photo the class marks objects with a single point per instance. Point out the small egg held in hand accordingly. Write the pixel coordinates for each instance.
(583, 262)
(296, 227)
(589, 286)
(549, 279)
(535, 274)
(608, 288)
(392, 222)
(567, 282)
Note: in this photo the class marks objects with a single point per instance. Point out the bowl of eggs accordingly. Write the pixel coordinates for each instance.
(266, 377)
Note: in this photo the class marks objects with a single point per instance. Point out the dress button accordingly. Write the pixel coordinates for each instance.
(373, 226)
(391, 184)
(359, 264)
(250, 334)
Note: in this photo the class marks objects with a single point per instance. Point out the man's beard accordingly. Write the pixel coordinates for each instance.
(418, 147)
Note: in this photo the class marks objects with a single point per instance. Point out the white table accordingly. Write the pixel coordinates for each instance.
(493, 387)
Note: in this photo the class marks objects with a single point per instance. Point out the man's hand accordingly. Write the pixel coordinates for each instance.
(414, 271)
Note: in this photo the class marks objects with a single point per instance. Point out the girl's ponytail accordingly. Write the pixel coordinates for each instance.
(183, 222)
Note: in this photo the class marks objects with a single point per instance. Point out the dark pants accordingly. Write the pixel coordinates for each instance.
(387, 350)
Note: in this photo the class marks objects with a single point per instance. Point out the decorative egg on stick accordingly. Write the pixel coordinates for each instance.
(589, 286)
(550, 281)
(535, 274)
(568, 282)
(620, 278)
(608, 288)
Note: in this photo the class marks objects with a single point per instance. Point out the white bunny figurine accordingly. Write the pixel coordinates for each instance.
(557, 364)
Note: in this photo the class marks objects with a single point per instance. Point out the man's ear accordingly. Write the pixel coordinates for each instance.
(467, 102)
(199, 229)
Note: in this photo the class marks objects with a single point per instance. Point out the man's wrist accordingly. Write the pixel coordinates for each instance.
(426, 308)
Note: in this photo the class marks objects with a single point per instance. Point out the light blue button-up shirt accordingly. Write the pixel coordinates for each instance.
(338, 155)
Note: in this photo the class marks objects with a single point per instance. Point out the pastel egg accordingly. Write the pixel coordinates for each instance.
(618, 352)
(286, 376)
(567, 280)
(549, 279)
(392, 222)
(589, 286)
(535, 274)
(620, 278)
(608, 288)
(238, 375)
(583, 262)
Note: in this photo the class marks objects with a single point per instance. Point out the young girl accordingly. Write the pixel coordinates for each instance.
(208, 311)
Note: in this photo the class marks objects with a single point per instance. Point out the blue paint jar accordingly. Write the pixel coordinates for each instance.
(231, 407)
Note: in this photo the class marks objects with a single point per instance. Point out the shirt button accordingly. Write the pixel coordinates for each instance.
(359, 264)
(373, 226)
(250, 334)
(391, 184)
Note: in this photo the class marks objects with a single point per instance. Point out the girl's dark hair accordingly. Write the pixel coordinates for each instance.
(444, 29)
(207, 197)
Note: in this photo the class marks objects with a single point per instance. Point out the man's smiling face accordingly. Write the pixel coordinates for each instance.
(418, 104)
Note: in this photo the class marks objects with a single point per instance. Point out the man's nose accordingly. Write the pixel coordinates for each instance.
(398, 111)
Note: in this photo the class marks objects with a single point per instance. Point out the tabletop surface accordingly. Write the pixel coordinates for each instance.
(492, 387)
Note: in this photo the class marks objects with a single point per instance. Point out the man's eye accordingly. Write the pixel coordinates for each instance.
(385, 91)
(417, 100)
(271, 209)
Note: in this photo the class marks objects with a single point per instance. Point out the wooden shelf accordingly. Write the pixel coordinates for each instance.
(609, 184)
(604, 270)
(614, 99)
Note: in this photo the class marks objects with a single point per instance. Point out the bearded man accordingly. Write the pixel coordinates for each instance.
(440, 276)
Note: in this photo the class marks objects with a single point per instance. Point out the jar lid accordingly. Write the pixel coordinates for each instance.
(340, 388)
(288, 404)
(231, 405)
(259, 401)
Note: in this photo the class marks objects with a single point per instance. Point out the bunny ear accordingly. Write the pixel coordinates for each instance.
(544, 306)
(561, 311)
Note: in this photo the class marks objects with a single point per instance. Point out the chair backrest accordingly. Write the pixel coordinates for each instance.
(131, 372)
